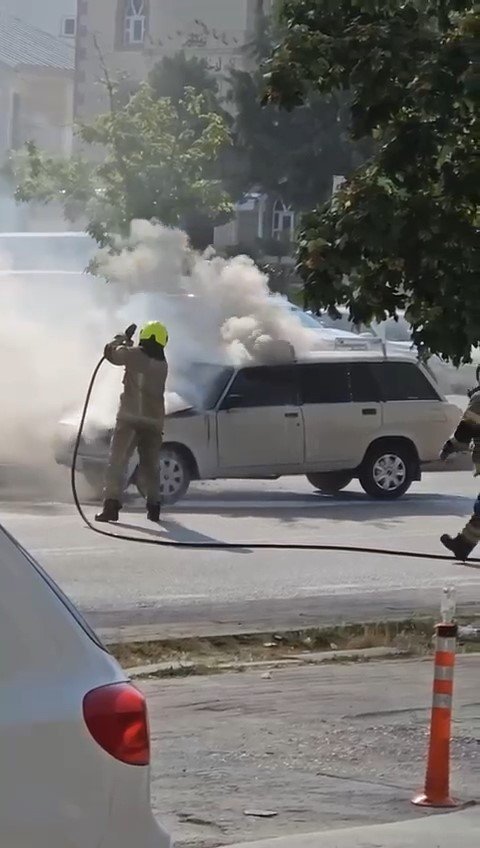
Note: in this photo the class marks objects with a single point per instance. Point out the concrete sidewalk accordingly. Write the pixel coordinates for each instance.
(440, 831)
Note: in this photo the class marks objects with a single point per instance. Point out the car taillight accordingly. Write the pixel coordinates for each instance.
(116, 716)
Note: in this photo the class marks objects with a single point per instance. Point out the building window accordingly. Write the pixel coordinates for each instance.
(283, 224)
(69, 27)
(135, 22)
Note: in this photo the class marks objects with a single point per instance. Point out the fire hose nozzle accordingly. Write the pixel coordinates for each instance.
(130, 331)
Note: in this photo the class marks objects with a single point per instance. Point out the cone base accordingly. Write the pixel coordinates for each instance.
(427, 801)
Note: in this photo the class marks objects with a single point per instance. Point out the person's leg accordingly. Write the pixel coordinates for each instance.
(463, 544)
(149, 442)
(121, 449)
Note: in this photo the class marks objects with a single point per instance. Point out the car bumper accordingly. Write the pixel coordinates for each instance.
(64, 446)
(150, 835)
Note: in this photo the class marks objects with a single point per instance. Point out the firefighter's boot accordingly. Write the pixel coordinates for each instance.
(153, 512)
(458, 545)
(110, 512)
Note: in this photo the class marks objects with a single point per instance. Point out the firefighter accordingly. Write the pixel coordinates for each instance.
(467, 432)
(140, 417)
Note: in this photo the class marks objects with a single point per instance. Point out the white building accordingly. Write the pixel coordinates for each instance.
(133, 35)
(58, 17)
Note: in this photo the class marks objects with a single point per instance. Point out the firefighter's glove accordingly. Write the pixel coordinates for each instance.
(122, 339)
(447, 450)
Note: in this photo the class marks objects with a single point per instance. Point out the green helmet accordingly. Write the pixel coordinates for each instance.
(156, 331)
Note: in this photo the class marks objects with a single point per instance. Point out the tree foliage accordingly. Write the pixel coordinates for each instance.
(404, 231)
(172, 75)
(153, 163)
(292, 154)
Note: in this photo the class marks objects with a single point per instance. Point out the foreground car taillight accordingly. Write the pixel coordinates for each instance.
(116, 716)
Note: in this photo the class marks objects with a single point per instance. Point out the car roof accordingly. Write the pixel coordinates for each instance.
(319, 357)
(355, 356)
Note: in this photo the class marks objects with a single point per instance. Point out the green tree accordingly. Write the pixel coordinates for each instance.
(174, 74)
(404, 231)
(292, 154)
(154, 164)
(172, 77)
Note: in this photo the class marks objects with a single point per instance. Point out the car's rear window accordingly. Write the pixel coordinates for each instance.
(56, 590)
(403, 381)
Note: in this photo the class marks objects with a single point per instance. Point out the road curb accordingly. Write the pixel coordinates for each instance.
(171, 669)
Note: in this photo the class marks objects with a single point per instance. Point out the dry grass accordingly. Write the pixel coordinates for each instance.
(414, 636)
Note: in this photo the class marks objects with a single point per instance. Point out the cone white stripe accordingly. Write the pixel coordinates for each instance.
(443, 672)
(447, 645)
(442, 702)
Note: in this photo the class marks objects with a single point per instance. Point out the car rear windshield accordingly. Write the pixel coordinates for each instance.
(78, 617)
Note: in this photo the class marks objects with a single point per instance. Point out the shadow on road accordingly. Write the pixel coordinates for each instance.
(172, 531)
(346, 506)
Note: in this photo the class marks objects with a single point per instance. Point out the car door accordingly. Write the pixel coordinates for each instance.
(259, 424)
(342, 413)
(366, 410)
(412, 406)
(327, 414)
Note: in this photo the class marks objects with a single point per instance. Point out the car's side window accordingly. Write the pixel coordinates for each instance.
(364, 386)
(263, 386)
(403, 381)
(326, 382)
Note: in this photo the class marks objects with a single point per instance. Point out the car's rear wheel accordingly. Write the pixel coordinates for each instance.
(175, 476)
(387, 471)
(330, 482)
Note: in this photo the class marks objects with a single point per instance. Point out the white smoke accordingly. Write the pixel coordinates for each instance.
(216, 309)
(54, 330)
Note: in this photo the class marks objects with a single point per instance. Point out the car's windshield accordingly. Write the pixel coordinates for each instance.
(202, 384)
(45, 252)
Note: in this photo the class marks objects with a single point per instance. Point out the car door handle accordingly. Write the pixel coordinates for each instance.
(369, 411)
(291, 415)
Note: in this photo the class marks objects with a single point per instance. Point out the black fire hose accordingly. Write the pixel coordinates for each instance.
(258, 546)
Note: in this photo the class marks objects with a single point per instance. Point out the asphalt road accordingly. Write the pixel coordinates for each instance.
(120, 584)
(322, 747)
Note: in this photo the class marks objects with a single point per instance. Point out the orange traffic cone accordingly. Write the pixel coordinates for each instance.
(437, 782)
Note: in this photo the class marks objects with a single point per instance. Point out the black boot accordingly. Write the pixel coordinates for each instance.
(458, 545)
(110, 512)
(153, 512)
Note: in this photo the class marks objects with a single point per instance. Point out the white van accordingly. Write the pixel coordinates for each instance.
(334, 416)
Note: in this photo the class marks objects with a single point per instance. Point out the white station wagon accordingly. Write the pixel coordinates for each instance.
(332, 417)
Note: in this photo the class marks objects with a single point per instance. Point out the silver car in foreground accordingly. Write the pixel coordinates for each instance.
(74, 736)
(332, 416)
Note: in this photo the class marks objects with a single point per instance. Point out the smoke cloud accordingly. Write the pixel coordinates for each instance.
(55, 327)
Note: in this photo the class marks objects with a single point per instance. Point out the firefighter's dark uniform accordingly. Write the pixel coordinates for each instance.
(466, 434)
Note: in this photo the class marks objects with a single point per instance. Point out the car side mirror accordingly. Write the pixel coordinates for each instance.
(232, 402)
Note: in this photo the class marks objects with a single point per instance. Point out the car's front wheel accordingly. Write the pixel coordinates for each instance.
(330, 482)
(175, 476)
(387, 471)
